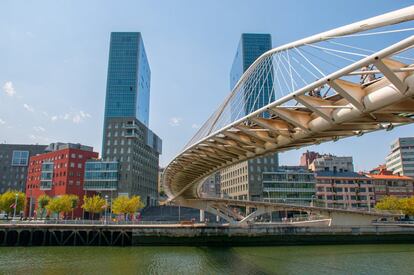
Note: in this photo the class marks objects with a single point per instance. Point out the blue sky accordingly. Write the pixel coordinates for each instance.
(53, 63)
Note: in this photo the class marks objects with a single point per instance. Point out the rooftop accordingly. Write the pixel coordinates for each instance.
(395, 177)
(332, 174)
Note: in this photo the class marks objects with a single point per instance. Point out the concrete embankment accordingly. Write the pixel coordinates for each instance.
(217, 235)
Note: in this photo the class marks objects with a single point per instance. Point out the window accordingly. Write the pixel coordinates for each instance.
(73, 156)
(20, 158)
(79, 165)
(72, 164)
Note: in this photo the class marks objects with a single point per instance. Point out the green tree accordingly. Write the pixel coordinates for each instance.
(124, 205)
(389, 203)
(8, 201)
(62, 204)
(407, 206)
(74, 201)
(94, 204)
(135, 204)
(42, 202)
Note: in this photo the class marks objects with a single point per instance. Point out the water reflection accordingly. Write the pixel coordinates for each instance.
(341, 259)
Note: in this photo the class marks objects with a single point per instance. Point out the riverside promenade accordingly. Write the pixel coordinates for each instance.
(198, 234)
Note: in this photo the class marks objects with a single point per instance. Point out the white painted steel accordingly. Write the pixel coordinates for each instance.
(378, 99)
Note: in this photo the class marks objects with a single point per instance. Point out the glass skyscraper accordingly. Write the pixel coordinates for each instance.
(127, 138)
(245, 180)
(128, 83)
(251, 46)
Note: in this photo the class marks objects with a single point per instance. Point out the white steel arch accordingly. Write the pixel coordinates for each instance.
(297, 118)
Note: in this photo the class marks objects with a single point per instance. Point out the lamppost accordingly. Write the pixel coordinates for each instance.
(106, 208)
(15, 206)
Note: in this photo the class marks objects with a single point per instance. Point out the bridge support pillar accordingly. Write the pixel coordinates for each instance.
(202, 215)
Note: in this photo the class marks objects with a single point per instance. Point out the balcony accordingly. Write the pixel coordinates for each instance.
(91, 185)
(46, 185)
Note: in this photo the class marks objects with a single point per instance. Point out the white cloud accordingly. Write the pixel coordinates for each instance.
(8, 88)
(175, 121)
(76, 117)
(39, 129)
(195, 126)
(28, 107)
(84, 114)
(2, 122)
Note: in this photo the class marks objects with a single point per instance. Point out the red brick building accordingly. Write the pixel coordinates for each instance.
(57, 172)
(308, 157)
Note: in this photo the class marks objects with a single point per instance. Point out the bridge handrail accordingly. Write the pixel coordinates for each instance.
(394, 17)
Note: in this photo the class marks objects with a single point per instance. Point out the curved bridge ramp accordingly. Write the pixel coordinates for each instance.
(326, 87)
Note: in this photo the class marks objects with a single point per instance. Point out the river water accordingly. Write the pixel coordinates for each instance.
(340, 259)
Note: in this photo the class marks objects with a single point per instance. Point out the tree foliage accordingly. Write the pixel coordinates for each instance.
(389, 203)
(93, 204)
(125, 205)
(406, 205)
(42, 202)
(8, 201)
(74, 201)
(62, 204)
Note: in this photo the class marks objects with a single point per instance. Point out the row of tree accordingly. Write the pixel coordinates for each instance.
(68, 203)
(406, 205)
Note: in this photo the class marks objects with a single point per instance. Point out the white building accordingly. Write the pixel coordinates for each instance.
(401, 159)
(332, 163)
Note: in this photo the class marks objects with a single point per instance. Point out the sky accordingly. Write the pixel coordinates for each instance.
(54, 58)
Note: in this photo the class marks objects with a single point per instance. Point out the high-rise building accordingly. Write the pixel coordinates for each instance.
(401, 159)
(57, 172)
(332, 163)
(14, 161)
(129, 76)
(244, 180)
(251, 46)
(127, 138)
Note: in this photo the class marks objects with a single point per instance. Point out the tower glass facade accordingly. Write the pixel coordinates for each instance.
(128, 83)
(251, 46)
(245, 180)
(127, 138)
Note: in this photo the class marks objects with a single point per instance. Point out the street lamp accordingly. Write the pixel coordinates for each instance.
(106, 208)
(15, 206)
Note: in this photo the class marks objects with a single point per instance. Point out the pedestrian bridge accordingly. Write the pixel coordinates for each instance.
(345, 82)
